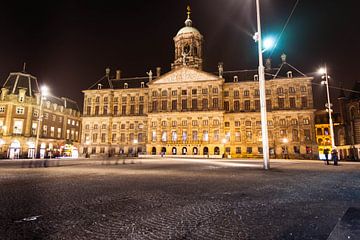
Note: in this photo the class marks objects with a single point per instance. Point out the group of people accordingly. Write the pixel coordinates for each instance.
(334, 156)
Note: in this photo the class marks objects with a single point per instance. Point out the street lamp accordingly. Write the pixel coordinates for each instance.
(328, 105)
(44, 91)
(264, 130)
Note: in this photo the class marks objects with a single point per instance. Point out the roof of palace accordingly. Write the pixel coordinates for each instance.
(21, 80)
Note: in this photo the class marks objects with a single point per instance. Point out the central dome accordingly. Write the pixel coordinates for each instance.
(187, 30)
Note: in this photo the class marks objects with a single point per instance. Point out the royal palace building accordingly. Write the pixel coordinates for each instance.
(23, 109)
(188, 111)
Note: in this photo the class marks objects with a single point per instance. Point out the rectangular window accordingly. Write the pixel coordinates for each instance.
(247, 105)
(88, 110)
(292, 102)
(281, 103)
(68, 134)
(105, 110)
(238, 150)
(115, 110)
(216, 135)
(194, 135)
(236, 106)
(205, 122)
(2, 109)
(205, 104)
(183, 92)
(141, 109)
(164, 105)
(96, 110)
(154, 106)
(18, 126)
(215, 102)
(173, 93)
(307, 135)
(122, 137)
(33, 128)
(59, 133)
(304, 102)
(205, 136)
(123, 110)
(237, 123)
(204, 91)
(113, 137)
(193, 91)
(132, 109)
(257, 105)
(249, 150)
(44, 133)
(184, 104)
(103, 137)
(226, 106)
(194, 104)
(52, 132)
(174, 105)
(153, 136)
(268, 105)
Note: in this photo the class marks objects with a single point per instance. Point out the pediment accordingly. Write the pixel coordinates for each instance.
(185, 74)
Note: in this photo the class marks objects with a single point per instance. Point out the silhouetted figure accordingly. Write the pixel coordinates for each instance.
(334, 156)
(326, 153)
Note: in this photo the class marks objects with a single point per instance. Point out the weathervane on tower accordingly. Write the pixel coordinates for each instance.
(188, 11)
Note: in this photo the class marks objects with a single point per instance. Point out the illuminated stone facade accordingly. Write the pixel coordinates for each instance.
(191, 112)
(19, 118)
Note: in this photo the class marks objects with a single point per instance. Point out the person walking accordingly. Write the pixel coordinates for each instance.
(326, 153)
(334, 156)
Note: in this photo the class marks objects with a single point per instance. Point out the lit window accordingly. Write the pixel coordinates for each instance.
(2, 109)
(18, 126)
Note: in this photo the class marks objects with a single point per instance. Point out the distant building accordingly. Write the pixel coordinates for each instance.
(19, 118)
(348, 132)
(322, 131)
(188, 111)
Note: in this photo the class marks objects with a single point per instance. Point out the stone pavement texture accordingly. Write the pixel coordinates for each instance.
(175, 199)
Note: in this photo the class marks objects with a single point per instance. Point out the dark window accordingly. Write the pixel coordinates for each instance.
(132, 109)
(164, 105)
(194, 103)
(105, 110)
(154, 106)
(215, 102)
(226, 106)
(238, 150)
(292, 102)
(304, 102)
(257, 104)
(281, 103)
(115, 110)
(247, 105)
(205, 104)
(183, 92)
(226, 93)
(123, 110)
(174, 105)
(249, 150)
(194, 91)
(88, 110)
(141, 109)
(96, 110)
(236, 106)
(268, 104)
(184, 104)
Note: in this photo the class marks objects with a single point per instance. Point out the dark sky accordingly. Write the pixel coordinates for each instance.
(68, 44)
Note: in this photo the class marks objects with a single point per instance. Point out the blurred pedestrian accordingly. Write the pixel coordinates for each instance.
(334, 156)
(326, 153)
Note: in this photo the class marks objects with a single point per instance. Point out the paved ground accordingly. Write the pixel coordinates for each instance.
(175, 199)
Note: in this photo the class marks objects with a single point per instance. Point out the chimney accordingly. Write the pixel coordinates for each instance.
(4, 93)
(118, 74)
(221, 69)
(107, 72)
(268, 64)
(158, 71)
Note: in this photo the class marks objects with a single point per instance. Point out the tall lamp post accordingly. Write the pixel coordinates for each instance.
(43, 93)
(328, 105)
(264, 130)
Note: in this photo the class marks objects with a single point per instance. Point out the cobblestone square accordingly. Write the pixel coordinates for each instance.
(174, 199)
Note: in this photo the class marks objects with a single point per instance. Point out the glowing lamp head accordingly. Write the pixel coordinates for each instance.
(322, 70)
(135, 141)
(44, 90)
(268, 43)
(285, 140)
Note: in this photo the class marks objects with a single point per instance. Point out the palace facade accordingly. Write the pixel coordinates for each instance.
(20, 110)
(188, 111)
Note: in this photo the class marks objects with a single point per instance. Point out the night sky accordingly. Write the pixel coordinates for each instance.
(68, 44)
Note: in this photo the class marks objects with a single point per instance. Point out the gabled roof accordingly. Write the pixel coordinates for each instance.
(184, 74)
(103, 82)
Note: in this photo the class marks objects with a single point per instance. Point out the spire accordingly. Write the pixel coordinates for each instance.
(188, 21)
